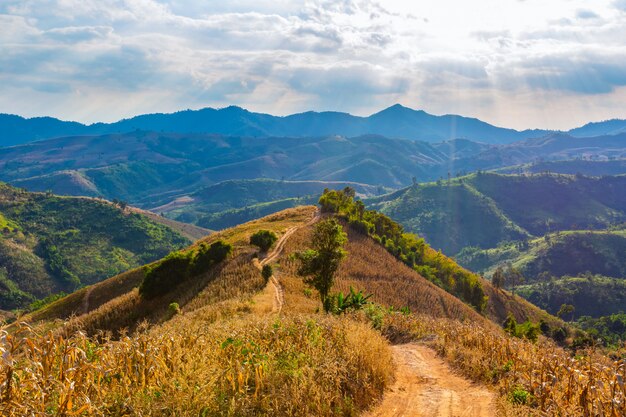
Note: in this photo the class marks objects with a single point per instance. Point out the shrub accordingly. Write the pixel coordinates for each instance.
(207, 256)
(267, 272)
(264, 239)
(166, 275)
(173, 309)
(519, 396)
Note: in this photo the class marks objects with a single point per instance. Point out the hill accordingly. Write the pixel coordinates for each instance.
(244, 200)
(591, 295)
(147, 168)
(485, 209)
(552, 147)
(262, 340)
(568, 253)
(396, 121)
(50, 244)
(571, 167)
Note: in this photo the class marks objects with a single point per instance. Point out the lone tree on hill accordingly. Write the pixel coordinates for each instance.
(264, 239)
(319, 265)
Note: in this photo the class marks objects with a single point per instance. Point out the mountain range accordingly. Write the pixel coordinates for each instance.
(395, 122)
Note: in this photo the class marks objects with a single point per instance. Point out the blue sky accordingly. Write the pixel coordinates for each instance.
(515, 63)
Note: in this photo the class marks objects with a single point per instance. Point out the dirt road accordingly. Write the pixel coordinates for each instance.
(274, 289)
(426, 387)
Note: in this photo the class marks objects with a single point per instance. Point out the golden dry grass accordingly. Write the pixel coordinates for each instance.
(243, 366)
(559, 384)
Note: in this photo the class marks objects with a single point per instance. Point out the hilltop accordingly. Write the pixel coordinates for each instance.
(485, 209)
(50, 244)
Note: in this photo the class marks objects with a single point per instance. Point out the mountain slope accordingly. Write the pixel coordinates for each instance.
(569, 253)
(146, 168)
(485, 209)
(50, 244)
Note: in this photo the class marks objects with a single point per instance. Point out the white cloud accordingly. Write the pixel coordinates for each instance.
(106, 59)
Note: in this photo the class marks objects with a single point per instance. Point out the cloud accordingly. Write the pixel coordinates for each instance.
(620, 5)
(73, 34)
(586, 14)
(74, 58)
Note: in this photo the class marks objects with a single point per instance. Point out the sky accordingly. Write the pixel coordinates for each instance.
(516, 63)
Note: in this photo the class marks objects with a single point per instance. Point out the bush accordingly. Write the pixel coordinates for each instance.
(166, 275)
(207, 256)
(264, 239)
(267, 272)
(519, 396)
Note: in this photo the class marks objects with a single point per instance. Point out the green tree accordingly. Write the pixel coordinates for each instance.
(319, 265)
(264, 239)
(565, 310)
(514, 277)
(267, 272)
(498, 278)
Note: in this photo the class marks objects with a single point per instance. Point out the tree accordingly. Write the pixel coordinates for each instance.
(565, 310)
(267, 272)
(319, 265)
(514, 277)
(264, 239)
(497, 279)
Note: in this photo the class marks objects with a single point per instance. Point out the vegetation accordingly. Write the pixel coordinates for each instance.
(239, 367)
(264, 239)
(267, 272)
(176, 268)
(568, 253)
(408, 248)
(591, 295)
(453, 214)
(50, 244)
(540, 375)
(212, 352)
(319, 265)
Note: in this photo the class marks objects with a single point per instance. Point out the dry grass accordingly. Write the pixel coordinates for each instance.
(589, 384)
(114, 304)
(251, 366)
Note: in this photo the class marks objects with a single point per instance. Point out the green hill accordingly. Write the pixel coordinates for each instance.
(572, 167)
(558, 254)
(485, 209)
(233, 202)
(591, 295)
(50, 244)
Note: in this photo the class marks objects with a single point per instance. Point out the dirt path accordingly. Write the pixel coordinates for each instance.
(86, 299)
(426, 387)
(274, 289)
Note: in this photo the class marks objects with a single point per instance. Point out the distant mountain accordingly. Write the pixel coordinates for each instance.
(152, 169)
(484, 210)
(591, 168)
(608, 127)
(50, 243)
(395, 122)
(15, 130)
(553, 147)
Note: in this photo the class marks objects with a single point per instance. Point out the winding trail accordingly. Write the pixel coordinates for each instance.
(278, 291)
(86, 299)
(426, 387)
